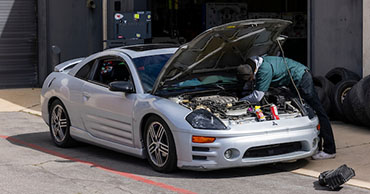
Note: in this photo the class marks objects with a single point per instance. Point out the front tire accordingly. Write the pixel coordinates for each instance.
(59, 125)
(160, 145)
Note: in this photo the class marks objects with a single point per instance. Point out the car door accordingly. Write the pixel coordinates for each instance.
(106, 114)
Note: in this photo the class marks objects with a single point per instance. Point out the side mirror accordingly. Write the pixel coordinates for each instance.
(121, 86)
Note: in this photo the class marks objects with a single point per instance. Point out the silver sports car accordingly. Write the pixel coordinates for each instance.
(179, 106)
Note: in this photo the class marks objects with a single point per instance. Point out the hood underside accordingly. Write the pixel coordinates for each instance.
(221, 49)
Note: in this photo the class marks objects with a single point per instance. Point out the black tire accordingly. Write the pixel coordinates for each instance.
(323, 99)
(340, 93)
(349, 115)
(324, 83)
(339, 74)
(358, 102)
(59, 125)
(164, 147)
(327, 105)
(320, 92)
(324, 90)
(366, 87)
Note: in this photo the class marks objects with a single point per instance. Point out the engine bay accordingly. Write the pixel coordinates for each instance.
(228, 106)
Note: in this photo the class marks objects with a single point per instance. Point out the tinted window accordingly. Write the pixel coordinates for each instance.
(149, 67)
(111, 69)
(84, 72)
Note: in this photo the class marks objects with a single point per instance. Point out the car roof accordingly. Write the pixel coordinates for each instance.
(142, 50)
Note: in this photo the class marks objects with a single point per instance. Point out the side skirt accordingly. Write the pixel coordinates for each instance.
(85, 136)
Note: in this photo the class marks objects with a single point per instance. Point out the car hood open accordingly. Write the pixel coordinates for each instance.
(221, 49)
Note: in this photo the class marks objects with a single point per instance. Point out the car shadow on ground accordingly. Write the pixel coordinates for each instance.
(96, 156)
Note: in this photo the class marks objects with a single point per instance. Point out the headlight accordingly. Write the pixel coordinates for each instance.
(202, 119)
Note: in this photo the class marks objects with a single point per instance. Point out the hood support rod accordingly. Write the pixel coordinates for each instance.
(290, 75)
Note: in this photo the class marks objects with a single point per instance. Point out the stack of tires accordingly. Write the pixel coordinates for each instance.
(344, 96)
(356, 105)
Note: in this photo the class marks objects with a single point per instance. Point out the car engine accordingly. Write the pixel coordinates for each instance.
(229, 107)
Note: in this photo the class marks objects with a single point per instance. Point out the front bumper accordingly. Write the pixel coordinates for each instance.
(251, 149)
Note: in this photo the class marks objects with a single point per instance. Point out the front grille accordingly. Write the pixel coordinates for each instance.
(272, 150)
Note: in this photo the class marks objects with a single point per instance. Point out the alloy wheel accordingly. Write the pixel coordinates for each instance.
(157, 144)
(59, 123)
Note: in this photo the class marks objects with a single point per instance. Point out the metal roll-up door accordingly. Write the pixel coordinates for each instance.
(18, 43)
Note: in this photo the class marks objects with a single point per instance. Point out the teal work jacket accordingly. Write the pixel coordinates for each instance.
(273, 73)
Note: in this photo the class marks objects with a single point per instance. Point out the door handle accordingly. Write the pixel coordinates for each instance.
(86, 95)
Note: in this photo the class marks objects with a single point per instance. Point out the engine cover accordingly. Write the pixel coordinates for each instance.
(215, 99)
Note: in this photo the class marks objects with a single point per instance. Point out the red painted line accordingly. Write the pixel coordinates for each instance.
(124, 174)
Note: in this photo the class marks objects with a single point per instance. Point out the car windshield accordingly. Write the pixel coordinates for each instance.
(149, 67)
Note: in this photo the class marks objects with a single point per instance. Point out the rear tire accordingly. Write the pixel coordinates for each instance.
(160, 145)
(341, 92)
(59, 125)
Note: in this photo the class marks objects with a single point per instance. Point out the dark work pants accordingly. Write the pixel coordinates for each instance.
(308, 93)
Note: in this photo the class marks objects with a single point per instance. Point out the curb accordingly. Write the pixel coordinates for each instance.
(6, 106)
(32, 112)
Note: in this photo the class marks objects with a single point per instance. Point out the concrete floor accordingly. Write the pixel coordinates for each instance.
(353, 142)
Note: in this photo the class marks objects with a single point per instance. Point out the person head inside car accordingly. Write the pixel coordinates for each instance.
(244, 72)
(248, 70)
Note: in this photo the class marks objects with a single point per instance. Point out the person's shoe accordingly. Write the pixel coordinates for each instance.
(321, 155)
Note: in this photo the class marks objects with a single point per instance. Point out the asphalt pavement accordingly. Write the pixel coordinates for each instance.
(31, 163)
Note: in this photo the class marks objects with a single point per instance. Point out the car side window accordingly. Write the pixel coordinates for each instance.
(111, 69)
(84, 72)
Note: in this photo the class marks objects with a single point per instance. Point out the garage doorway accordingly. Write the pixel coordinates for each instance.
(18, 43)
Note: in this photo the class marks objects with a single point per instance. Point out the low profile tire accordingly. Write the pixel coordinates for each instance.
(59, 125)
(341, 91)
(160, 145)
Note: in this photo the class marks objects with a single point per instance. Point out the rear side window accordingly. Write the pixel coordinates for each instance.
(84, 72)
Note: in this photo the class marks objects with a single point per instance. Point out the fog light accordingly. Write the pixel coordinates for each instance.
(228, 154)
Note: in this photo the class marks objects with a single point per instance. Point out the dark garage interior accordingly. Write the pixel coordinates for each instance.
(188, 18)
